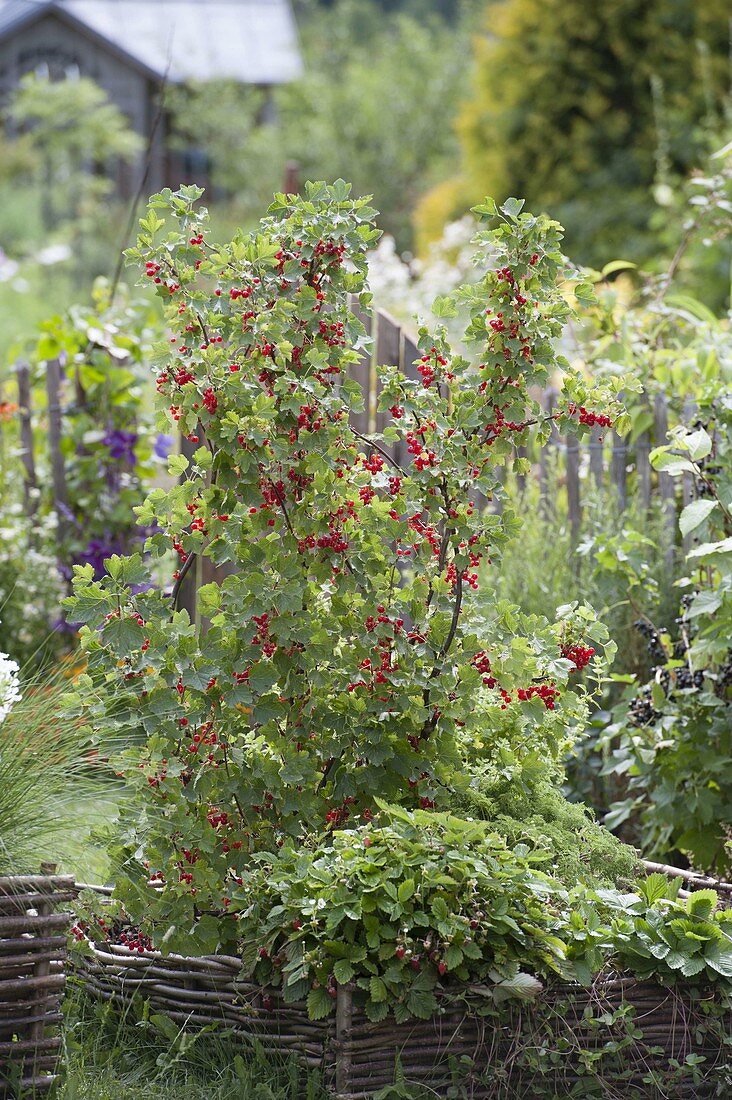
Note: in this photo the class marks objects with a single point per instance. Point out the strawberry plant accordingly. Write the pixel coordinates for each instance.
(348, 659)
(398, 905)
(656, 933)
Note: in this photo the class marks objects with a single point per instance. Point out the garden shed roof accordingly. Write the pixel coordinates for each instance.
(252, 41)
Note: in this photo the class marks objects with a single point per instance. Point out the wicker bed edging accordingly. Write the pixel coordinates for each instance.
(33, 947)
(487, 1058)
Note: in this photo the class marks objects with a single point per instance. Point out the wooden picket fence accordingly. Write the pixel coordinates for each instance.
(601, 465)
(605, 464)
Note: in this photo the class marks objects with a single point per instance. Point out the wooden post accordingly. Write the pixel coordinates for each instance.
(58, 472)
(344, 1012)
(574, 508)
(292, 177)
(203, 570)
(643, 468)
(546, 506)
(619, 470)
(26, 439)
(361, 372)
(42, 968)
(407, 358)
(665, 481)
(597, 456)
(388, 353)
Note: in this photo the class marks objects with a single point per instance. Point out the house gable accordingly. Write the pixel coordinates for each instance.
(251, 41)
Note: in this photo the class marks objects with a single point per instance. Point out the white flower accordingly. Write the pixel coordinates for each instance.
(53, 254)
(407, 287)
(9, 685)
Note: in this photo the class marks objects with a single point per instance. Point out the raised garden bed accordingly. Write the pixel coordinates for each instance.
(611, 1040)
(33, 944)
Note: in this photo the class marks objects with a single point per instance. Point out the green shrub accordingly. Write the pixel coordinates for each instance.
(657, 935)
(572, 845)
(347, 656)
(672, 738)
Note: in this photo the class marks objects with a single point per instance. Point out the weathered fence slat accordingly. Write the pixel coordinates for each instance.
(546, 506)
(597, 456)
(361, 373)
(619, 470)
(388, 353)
(574, 509)
(643, 468)
(27, 455)
(408, 356)
(55, 415)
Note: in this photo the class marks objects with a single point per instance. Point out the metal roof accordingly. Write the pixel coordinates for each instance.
(252, 41)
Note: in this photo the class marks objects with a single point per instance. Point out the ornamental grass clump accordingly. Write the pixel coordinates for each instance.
(53, 785)
(348, 661)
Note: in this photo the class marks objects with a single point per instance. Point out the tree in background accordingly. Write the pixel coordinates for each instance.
(376, 105)
(583, 107)
(78, 137)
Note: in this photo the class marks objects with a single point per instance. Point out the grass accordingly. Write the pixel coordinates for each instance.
(109, 1057)
(55, 787)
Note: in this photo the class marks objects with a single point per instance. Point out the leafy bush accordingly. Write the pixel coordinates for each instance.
(346, 657)
(525, 809)
(396, 906)
(673, 737)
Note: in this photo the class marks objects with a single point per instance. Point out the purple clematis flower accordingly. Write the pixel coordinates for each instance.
(163, 445)
(96, 553)
(121, 445)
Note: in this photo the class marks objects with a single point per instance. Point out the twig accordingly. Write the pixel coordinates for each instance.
(431, 722)
(455, 617)
(141, 185)
(371, 443)
(181, 577)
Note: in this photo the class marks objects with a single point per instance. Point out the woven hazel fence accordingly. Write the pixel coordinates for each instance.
(34, 920)
(458, 1045)
(488, 1057)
